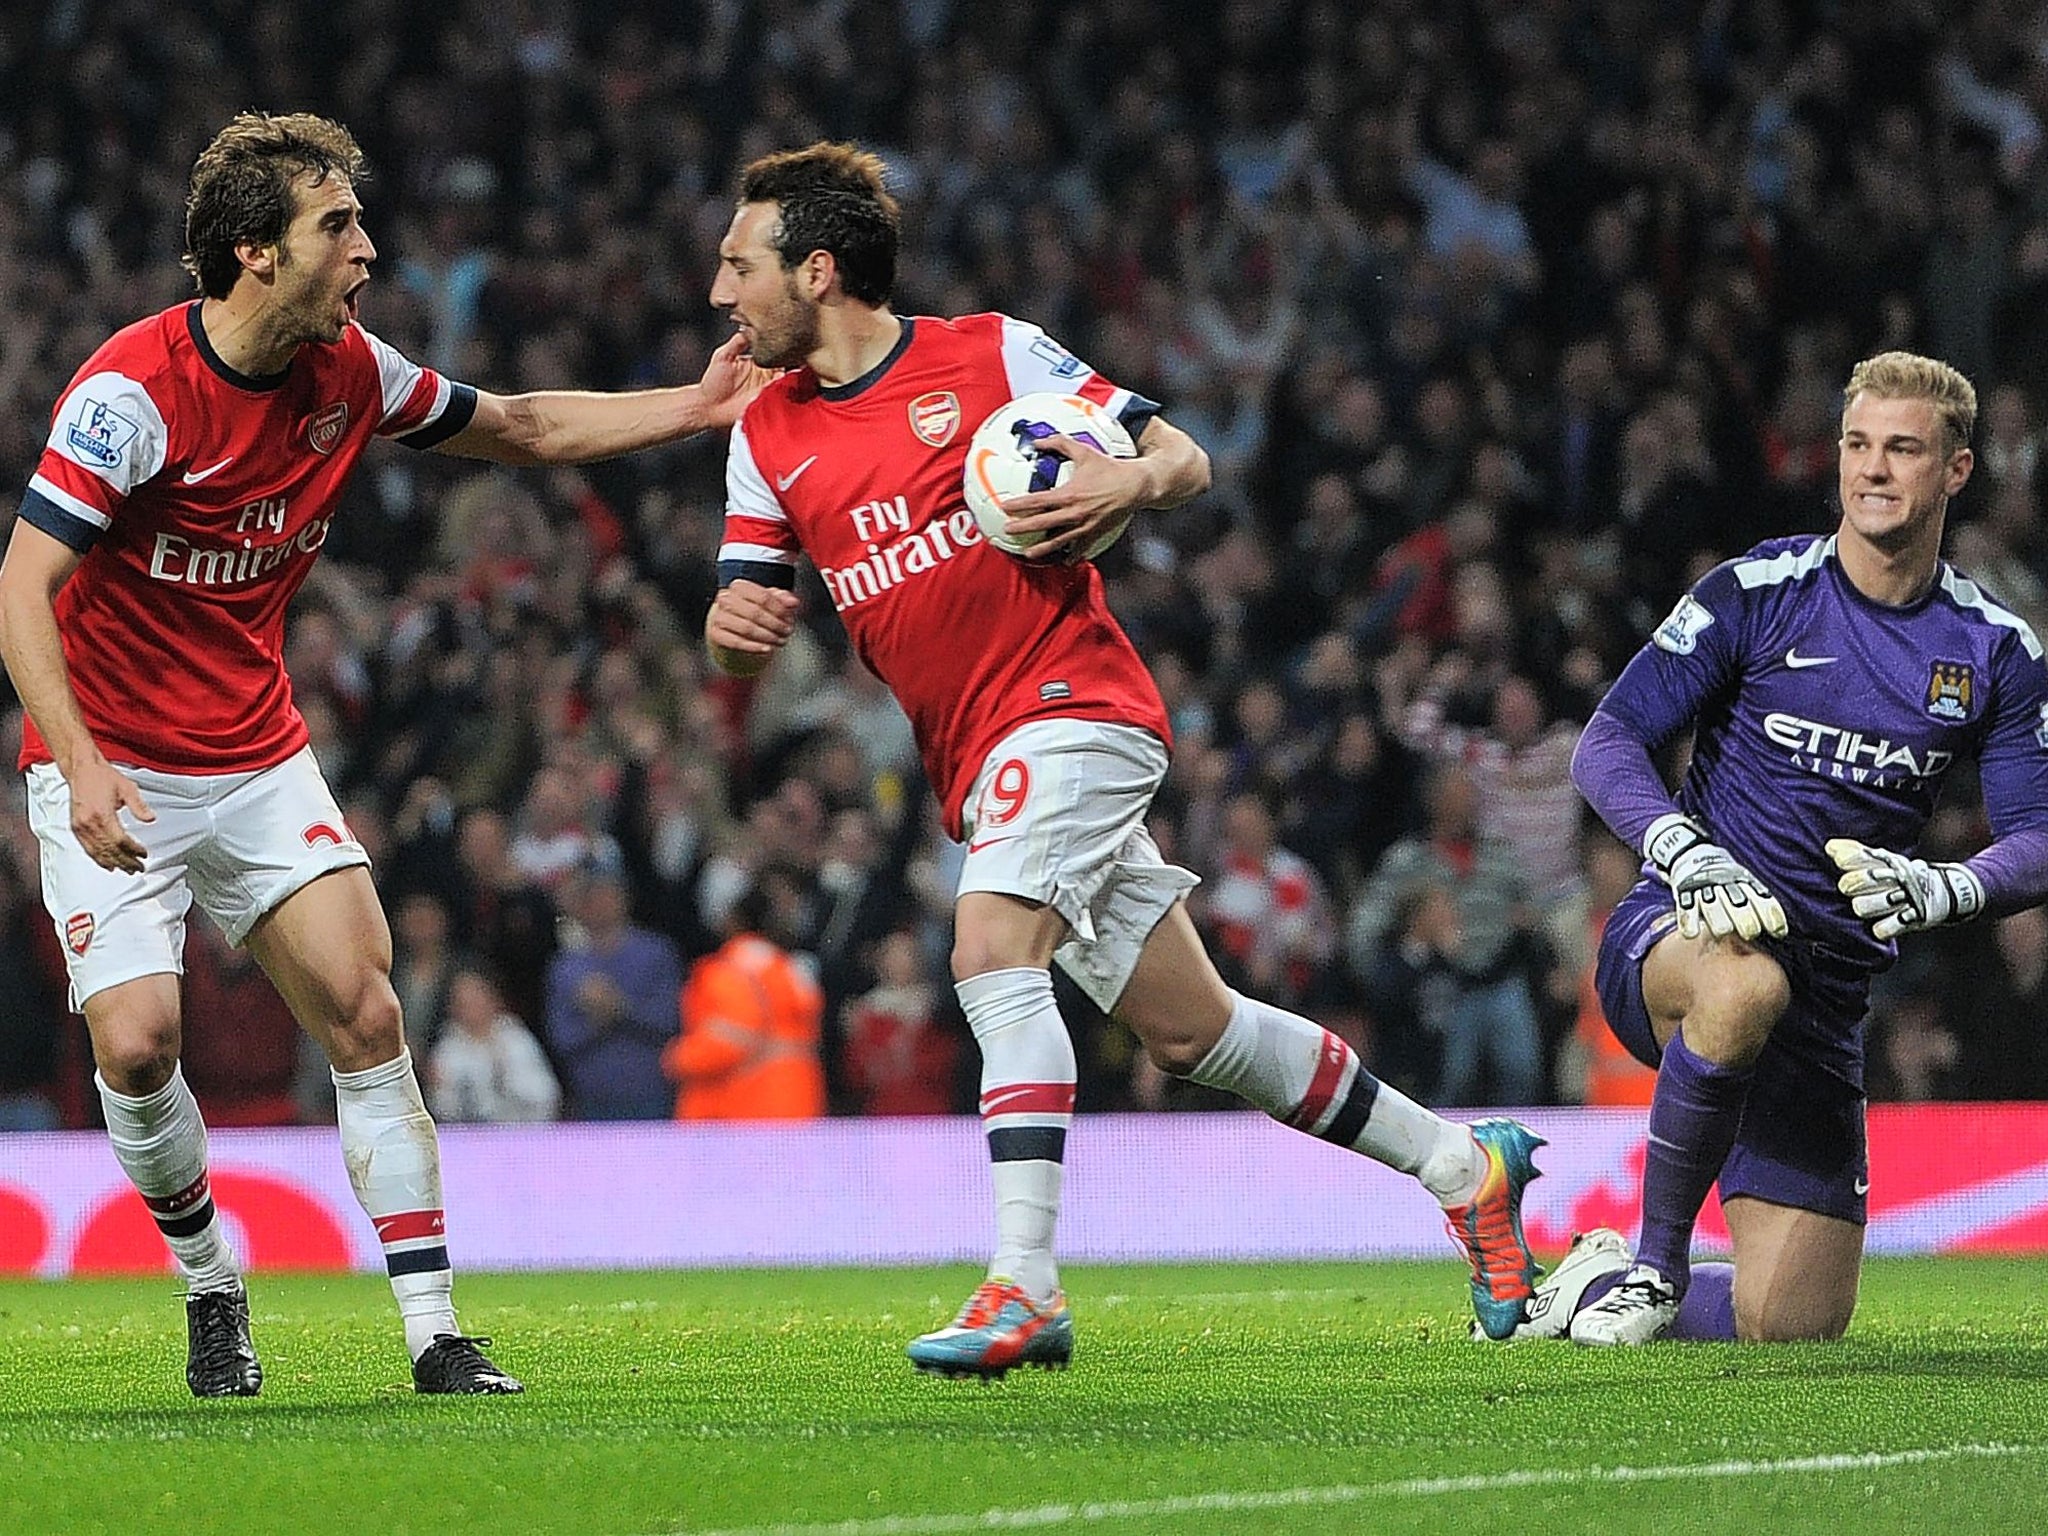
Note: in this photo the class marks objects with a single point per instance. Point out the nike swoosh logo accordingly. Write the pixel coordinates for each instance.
(993, 1104)
(990, 842)
(784, 482)
(1796, 661)
(1863, 1186)
(193, 477)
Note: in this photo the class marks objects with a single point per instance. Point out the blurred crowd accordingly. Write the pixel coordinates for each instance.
(1500, 320)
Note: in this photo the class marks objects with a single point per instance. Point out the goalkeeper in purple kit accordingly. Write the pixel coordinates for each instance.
(1830, 683)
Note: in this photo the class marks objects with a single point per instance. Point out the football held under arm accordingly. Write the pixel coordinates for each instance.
(1176, 466)
(1171, 468)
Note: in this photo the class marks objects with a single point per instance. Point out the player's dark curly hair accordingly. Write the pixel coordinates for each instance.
(242, 187)
(833, 199)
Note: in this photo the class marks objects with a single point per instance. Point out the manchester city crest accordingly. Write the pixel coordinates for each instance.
(1949, 687)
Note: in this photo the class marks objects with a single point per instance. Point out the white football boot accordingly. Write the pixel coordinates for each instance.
(1636, 1311)
(1602, 1251)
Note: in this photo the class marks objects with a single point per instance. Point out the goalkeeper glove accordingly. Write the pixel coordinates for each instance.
(1903, 895)
(1713, 893)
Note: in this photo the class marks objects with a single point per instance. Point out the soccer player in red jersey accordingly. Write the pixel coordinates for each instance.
(1041, 729)
(192, 472)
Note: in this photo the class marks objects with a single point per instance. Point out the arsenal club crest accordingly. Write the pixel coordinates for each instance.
(78, 932)
(325, 426)
(1948, 691)
(936, 417)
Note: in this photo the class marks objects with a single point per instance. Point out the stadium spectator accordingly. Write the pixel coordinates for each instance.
(1412, 985)
(1712, 212)
(1491, 1033)
(1267, 910)
(486, 1067)
(422, 968)
(752, 1020)
(502, 917)
(556, 836)
(903, 1055)
(1354, 800)
(611, 1007)
(1521, 770)
(241, 1042)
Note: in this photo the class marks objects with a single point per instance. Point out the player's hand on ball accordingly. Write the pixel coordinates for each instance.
(1096, 497)
(99, 793)
(1896, 894)
(1713, 893)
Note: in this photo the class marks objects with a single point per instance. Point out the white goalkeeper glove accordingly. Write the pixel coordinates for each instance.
(1896, 895)
(1713, 893)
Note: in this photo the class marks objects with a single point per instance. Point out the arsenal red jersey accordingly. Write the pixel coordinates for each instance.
(200, 498)
(865, 479)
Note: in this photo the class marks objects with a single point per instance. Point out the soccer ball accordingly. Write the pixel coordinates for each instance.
(1003, 460)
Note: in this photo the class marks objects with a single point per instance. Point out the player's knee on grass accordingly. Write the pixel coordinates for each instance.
(1788, 1313)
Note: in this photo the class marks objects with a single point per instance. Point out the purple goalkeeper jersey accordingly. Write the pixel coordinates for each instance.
(1819, 713)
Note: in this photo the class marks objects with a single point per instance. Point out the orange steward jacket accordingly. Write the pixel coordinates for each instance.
(749, 1047)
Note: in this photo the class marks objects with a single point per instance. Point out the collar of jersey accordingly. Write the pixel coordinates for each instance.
(250, 381)
(1862, 599)
(873, 376)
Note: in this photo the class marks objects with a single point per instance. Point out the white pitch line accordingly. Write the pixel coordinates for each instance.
(1227, 1298)
(1046, 1516)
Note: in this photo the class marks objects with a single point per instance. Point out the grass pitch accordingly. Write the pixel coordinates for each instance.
(1203, 1398)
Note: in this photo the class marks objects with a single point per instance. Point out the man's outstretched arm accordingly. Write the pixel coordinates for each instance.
(559, 426)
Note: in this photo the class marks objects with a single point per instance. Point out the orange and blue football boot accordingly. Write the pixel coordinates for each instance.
(1000, 1327)
(1489, 1227)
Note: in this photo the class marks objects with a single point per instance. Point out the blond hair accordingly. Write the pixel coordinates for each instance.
(1908, 376)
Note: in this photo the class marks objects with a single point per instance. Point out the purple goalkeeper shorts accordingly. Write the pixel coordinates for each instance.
(1801, 1143)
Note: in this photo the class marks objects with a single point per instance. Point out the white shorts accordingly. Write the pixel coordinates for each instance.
(1057, 815)
(238, 843)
